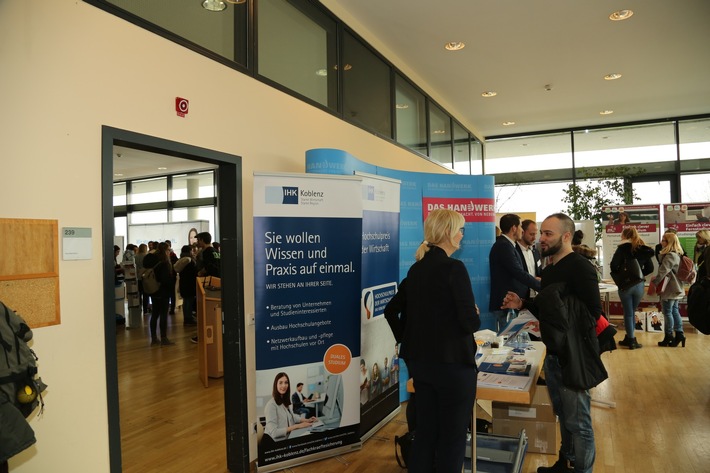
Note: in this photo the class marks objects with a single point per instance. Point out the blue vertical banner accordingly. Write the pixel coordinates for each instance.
(307, 276)
(379, 362)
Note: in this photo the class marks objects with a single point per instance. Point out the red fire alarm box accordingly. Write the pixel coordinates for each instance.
(182, 106)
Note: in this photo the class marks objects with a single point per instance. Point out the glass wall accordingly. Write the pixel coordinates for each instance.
(149, 190)
(694, 145)
(410, 109)
(367, 98)
(296, 49)
(462, 150)
(542, 198)
(193, 186)
(530, 158)
(440, 136)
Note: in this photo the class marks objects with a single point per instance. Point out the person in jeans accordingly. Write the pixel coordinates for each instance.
(632, 247)
(573, 406)
(673, 291)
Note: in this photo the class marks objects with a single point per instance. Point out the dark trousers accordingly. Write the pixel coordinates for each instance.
(159, 316)
(445, 396)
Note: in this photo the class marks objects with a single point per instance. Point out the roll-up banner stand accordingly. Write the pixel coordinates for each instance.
(473, 196)
(307, 279)
(379, 362)
(687, 220)
(646, 219)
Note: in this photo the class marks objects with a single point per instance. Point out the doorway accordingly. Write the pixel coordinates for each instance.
(228, 183)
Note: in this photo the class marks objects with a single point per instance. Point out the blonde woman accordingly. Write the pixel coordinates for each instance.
(437, 315)
(673, 292)
(631, 247)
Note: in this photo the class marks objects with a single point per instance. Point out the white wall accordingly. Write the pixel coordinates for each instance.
(67, 68)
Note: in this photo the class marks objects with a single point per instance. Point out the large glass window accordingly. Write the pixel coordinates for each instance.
(195, 213)
(297, 49)
(462, 153)
(410, 107)
(193, 186)
(544, 199)
(149, 216)
(367, 97)
(149, 190)
(440, 136)
(540, 158)
(476, 156)
(694, 145)
(119, 193)
(223, 33)
(695, 187)
(651, 147)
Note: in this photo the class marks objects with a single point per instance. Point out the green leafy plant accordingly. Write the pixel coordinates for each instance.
(596, 188)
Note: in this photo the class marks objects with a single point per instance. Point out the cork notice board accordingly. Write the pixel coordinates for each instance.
(29, 269)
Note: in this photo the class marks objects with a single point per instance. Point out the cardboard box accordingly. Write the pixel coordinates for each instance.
(538, 419)
(543, 437)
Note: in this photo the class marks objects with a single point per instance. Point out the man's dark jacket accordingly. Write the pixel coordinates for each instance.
(508, 273)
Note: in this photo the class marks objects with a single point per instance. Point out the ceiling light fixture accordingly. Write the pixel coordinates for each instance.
(401, 106)
(454, 46)
(322, 72)
(489, 93)
(508, 123)
(606, 112)
(613, 76)
(620, 15)
(214, 5)
(439, 132)
(162, 168)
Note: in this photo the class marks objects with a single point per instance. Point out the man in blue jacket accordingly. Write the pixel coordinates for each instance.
(508, 270)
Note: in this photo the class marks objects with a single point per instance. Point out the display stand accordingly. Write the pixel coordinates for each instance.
(134, 318)
(209, 329)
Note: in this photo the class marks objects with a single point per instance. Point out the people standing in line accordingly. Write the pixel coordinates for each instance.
(526, 247)
(187, 269)
(508, 269)
(673, 291)
(571, 403)
(438, 316)
(140, 255)
(161, 299)
(280, 419)
(702, 254)
(208, 259)
(632, 246)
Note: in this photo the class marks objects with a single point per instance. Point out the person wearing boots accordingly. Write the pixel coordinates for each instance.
(673, 291)
(632, 246)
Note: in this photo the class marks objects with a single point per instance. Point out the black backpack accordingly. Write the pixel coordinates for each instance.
(699, 305)
(19, 384)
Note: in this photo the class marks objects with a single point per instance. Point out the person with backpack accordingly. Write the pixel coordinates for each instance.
(187, 269)
(702, 253)
(632, 247)
(164, 273)
(672, 291)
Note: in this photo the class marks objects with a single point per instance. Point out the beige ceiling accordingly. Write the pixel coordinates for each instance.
(517, 47)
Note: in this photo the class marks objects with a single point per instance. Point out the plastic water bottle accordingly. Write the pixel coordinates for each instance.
(522, 341)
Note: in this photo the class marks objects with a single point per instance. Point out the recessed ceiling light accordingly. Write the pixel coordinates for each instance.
(620, 15)
(613, 76)
(118, 174)
(439, 132)
(401, 106)
(489, 93)
(322, 72)
(454, 46)
(606, 112)
(214, 5)
(235, 2)
(508, 123)
(162, 168)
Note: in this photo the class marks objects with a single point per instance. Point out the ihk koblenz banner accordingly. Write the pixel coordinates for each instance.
(307, 260)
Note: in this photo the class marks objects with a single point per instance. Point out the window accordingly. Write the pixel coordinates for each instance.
(476, 156)
(651, 147)
(544, 199)
(367, 98)
(462, 153)
(530, 158)
(694, 145)
(440, 136)
(149, 190)
(221, 33)
(193, 186)
(119, 193)
(695, 188)
(410, 109)
(297, 49)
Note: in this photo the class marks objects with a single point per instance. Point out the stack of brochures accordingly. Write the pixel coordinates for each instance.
(510, 364)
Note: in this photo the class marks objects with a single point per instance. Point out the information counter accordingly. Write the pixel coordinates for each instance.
(209, 329)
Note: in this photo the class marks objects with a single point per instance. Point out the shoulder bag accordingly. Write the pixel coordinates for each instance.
(628, 275)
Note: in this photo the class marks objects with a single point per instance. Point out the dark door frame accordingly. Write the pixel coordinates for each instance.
(229, 218)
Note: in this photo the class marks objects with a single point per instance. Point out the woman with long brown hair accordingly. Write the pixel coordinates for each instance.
(631, 247)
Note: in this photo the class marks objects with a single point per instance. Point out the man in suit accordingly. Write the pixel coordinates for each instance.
(527, 250)
(298, 400)
(508, 269)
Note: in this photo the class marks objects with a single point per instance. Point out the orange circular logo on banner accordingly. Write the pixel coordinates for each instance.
(337, 359)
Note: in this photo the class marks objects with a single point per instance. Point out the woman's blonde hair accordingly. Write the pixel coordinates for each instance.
(630, 233)
(441, 226)
(673, 244)
(705, 235)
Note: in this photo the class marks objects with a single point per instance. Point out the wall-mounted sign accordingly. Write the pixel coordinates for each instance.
(182, 106)
(76, 243)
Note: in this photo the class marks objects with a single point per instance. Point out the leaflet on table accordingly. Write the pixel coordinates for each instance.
(524, 322)
(503, 381)
(511, 364)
